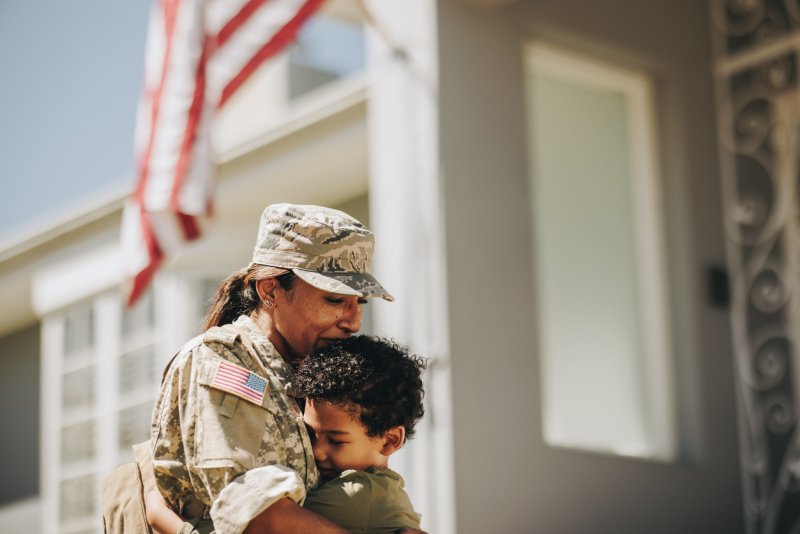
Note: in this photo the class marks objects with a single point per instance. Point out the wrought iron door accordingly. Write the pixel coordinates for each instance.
(757, 49)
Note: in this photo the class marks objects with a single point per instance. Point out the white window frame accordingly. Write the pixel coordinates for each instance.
(639, 91)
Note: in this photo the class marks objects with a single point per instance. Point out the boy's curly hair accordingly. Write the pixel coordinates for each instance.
(371, 377)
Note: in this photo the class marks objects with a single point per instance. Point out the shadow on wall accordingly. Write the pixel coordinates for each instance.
(19, 415)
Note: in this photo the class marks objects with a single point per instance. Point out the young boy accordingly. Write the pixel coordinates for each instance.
(363, 399)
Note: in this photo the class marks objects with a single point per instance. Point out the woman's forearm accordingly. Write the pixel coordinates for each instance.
(160, 517)
(286, 516)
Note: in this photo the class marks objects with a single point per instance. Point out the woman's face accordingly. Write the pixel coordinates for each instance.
(306, 318)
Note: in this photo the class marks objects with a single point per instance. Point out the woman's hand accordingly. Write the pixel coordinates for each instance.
(160, 516)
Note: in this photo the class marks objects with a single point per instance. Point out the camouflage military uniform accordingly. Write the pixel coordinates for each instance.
(219, 452)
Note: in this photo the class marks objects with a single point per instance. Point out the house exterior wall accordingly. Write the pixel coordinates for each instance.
(496, 423)
(506, 478)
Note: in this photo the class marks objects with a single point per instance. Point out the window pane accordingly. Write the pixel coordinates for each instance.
(137, 370)
(78, 389)
(599, 339)
(77, 497)
(140, 317)
(78, 329)
(77, 442)
(326, 49)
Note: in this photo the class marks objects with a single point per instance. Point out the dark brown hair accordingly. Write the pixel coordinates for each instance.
(372, 378)
(237, 295)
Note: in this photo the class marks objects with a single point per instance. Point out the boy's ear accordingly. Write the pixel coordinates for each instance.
(393, 440)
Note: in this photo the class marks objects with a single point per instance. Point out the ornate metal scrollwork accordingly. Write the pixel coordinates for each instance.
(756, 63)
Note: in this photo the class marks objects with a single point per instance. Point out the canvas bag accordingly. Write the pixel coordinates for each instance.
(123, 494)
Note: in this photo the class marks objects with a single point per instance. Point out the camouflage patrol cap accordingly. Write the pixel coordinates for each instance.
(324, 247)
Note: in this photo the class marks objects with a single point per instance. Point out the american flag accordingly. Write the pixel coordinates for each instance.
(199, 52)
(239, 381)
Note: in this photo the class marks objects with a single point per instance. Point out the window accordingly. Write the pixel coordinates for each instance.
(598, 246)
(103, 359)
(78, 419)
(327, 49)
(138, 374)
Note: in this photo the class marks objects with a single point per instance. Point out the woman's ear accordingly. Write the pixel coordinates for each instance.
(266, 288)
(393, 440)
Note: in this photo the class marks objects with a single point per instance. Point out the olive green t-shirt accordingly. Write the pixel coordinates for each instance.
(371, 501)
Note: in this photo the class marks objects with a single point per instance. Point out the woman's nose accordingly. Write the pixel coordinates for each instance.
(351, 319)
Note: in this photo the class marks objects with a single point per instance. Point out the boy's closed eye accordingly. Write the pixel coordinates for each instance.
(313, 436)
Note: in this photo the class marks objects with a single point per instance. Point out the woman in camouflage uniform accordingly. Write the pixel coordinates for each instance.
(228, 439)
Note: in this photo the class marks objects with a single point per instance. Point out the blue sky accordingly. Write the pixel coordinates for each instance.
(71, 76)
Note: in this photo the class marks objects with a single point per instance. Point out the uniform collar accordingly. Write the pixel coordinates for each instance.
(267, 351)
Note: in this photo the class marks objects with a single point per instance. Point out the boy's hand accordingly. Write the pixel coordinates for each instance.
(159, 516)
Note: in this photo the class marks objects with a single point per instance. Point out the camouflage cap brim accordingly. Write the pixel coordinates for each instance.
(355, 284)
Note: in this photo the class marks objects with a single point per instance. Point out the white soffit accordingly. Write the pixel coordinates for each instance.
(318, 155)
(69, 281)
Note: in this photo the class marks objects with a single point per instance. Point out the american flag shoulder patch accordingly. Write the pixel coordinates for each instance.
(240, 382)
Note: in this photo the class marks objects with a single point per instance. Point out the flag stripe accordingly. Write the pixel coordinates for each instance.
(169, 14)
(142, 278)
(190, 226)
(186, 221)
(281, 38)
(240, 392)
(237, 20)
(236, 383)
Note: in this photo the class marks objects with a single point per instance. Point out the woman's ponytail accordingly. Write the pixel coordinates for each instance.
(237, 295)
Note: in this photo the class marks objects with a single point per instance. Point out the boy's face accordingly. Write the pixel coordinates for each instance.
(340, 441)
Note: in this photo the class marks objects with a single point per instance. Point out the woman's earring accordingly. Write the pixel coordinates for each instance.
(268, 303)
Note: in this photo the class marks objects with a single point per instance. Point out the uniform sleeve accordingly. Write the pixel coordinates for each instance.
(253, 492)
(205, 440)
(346, 500)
